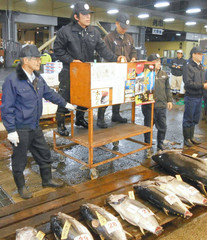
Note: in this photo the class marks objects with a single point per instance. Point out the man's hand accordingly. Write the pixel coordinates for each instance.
(173, 66)
(169, 105)
(13, 137)
(76, 60)
(133, 59)
(70, 106)
(121, 59)
(205, 85)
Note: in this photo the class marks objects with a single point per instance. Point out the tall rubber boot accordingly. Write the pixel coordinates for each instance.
(46, 175)
(160, 140)
(187, 135)
(100, 120)
(80, 121)
(20, 183)
(116, 117)
(60, 118)
(193, 140)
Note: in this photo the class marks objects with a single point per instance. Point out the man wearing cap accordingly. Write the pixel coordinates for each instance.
(120, 43)
(177, 66)
(163, 100)
(76, 42)
(194, 84)
(21, 109)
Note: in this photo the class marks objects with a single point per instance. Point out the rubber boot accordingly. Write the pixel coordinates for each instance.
(20, 183)
(187, 136)
(100, 120)
(60, 118)
(160, 141)
(116, 117)
(80, 121)
(193, 140)
(46, 175)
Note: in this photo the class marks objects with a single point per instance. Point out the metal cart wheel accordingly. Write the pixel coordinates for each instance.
(93, 173)
(115, 145)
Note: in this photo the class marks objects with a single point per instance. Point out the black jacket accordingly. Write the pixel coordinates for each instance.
(193, 78)
(162, 92)
(74, 42)
(177, 62)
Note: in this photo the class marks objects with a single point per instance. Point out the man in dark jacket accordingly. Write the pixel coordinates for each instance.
(177, 66)
(21, 110)
(76, 42)
(163, 99)
(194, 83)
(120, 43)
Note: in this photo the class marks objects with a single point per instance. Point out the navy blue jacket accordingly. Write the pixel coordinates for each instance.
(21, 104)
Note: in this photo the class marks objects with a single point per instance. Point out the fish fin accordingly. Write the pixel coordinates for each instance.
(129, 234)
(101, 237)
(158, 218)
(202, 187)
(142, 230)
(166, 211)
(187, 206)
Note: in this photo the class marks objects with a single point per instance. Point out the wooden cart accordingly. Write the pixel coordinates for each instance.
(82, 91)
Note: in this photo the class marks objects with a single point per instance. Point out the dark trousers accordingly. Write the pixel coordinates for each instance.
(159, 121)
(192, 111)
(34, 141)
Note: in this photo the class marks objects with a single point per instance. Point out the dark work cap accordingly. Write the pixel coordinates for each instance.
(29, 51)
(123, 19)
(81, 7)
(153, 57)
(196, 50)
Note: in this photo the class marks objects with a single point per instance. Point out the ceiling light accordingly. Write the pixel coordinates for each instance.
(144, 15)
(178, 34)
(190, 23)
(205, 26)
(169, 19)
(72, 6)
(161, 4)
(193, 10)
(30, 1)
(112, 11)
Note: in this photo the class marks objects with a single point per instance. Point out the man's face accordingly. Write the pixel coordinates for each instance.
(83, 20)
(33, 63)
(119, 29)
(157, 64)
(179, 55)
(197, 57)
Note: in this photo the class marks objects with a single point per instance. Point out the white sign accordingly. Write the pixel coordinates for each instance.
(157, 31)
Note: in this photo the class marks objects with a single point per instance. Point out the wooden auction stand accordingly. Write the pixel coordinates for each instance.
(80, 85)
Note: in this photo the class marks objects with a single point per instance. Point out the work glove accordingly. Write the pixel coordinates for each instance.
(70, 106)
(13, 137)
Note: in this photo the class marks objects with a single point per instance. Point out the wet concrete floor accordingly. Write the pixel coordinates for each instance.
(73, 173)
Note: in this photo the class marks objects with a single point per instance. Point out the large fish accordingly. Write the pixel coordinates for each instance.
(135, 213)
(183, 190)
(68, 228)
(162, 198)
(29, 233)
(106, 225)
(174, 161)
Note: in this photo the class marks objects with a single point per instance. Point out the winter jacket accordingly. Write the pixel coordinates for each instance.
(21, 104)
(121, 47)
(177, 62)
(193, 78)
(74, 42)
(162, 92)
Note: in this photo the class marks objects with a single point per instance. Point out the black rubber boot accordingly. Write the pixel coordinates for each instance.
(80, 121)
(186, 135)
(193, 140)
(160, 141)
(46, 175)
(20, 183)
(100, 121)
(116, 117)
(60, 118)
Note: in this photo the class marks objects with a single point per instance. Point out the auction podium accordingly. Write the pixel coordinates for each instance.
(94, 85)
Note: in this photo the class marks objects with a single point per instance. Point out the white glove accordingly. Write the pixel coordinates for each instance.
(13, 137)
(70, 106)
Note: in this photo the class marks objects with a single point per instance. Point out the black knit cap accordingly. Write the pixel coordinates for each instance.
(81, 7)
(196, 50)
(153, 57)
(29, 51)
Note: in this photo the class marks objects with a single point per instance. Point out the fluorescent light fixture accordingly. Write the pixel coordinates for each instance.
(205, 26)
(161, 4)
(169, 19)
(30, 1)
(112, 11)
(144, 15)
(72, 6)
(193, 10)
(190, 23)
(178, 34)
